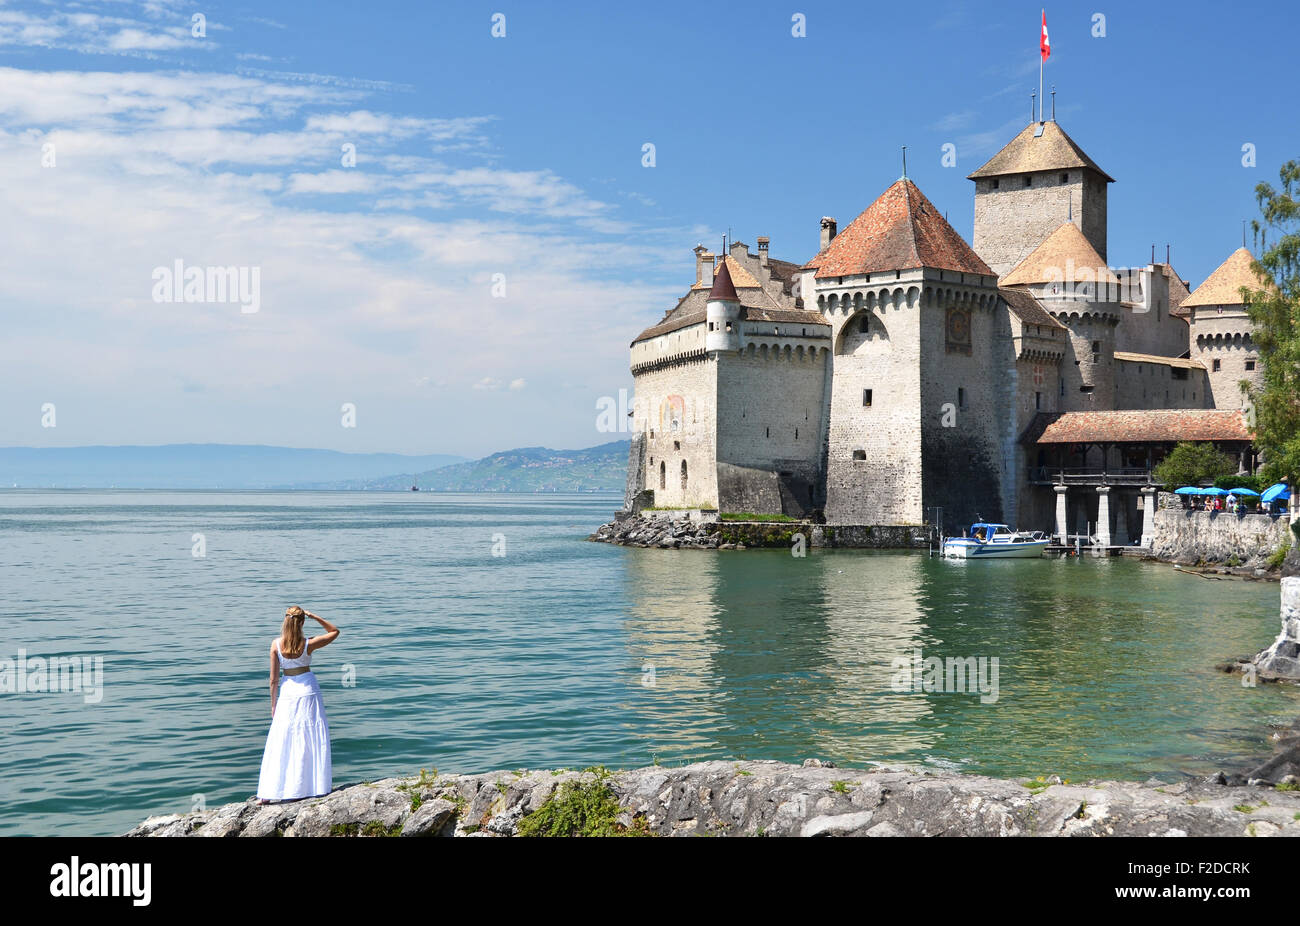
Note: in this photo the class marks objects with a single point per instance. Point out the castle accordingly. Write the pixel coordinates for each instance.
(902, 376)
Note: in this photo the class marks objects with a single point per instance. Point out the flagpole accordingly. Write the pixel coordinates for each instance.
(1040, 72)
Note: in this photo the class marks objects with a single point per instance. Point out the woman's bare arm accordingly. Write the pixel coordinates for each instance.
(275, 675)
(331, 634)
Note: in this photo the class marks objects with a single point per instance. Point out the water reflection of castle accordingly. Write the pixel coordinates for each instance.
(901, 369)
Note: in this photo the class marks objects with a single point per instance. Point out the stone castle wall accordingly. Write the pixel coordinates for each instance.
(965, 400)
(1079, 369)
(1225, 338)
(674, 407)
(1143, 384)
(874, 452)
(1146, 326)
(770, 405)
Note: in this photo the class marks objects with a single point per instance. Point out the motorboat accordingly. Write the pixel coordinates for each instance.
(995, 541)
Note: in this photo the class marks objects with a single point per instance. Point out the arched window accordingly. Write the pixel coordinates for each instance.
(683, 475)
(663, 475)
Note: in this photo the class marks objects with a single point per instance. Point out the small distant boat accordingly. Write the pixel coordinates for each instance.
(995, 541)
(415, 488)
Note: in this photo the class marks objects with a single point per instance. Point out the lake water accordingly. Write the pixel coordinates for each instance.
(567, 653)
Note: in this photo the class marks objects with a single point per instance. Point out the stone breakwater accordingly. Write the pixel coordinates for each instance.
(1246, 542)
(764, 798)
(704, 534)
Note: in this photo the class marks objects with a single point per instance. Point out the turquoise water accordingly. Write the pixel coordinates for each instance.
(466, 661)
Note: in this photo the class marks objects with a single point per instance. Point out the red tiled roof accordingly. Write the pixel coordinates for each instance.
(1153, 425)
(901, 230)
(1028, 309)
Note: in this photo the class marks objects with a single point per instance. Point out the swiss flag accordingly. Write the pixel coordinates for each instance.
(1044, 44)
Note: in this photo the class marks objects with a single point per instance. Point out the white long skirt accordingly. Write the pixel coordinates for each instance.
(297, 760)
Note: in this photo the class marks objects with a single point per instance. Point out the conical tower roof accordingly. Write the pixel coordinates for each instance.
(1031, 150)
(723, 288)
(901, 230)
(1065, 250)
(1222, 287)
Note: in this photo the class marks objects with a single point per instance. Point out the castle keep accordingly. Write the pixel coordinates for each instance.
(901, 374)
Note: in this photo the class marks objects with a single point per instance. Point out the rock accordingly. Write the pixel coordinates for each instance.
(1282, 659)
(432, 818)
(769, 798)
(844, 824)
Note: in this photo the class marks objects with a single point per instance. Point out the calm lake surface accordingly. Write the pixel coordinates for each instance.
(466, 661)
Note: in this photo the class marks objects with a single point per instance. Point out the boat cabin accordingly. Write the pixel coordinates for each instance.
(984, 532)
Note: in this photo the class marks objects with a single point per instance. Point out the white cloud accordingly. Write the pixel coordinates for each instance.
(358, 303)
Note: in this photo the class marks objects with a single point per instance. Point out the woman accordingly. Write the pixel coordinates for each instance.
(297, 761)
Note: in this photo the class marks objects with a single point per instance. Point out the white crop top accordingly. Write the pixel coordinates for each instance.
(300, 662)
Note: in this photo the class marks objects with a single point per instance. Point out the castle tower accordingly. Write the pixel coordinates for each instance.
(1072, 282)
(912, 423)
(722, 313)
(1029, 188)
(1221, 331)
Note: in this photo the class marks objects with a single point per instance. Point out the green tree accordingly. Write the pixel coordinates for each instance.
(1189, 463)
(1274, 310)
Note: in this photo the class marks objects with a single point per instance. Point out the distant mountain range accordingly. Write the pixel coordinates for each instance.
(252, 466)
(527, 469)
(197, 466)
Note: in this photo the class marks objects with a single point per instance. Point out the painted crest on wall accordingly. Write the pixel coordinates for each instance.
(672, 412)
(957, 331)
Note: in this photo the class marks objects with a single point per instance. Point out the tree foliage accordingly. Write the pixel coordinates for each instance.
(1274, 311)
(1190, 463)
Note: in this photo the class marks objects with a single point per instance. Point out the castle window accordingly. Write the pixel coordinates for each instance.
(663, 475)
(683, 475)
(652, 434)
(1065, 178)
(961, 397)
(1218, 364)
(1096, 351)
(859, 455)
(1250, 364)
(1038, 401)
(710, 326)
(1062, 388)
(866, 398)
(677, 445)
(994, 184)
(1029, 180)
(769, 432)
(796, 433)
(1086, 390)
(728, 326)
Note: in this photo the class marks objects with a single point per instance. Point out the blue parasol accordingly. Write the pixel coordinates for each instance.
(1188, 490)
(1276, 491)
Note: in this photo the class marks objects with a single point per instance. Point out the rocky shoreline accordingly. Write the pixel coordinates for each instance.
(766, 798)
(687, 533)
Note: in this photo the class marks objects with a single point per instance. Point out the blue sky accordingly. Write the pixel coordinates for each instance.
(482, 160)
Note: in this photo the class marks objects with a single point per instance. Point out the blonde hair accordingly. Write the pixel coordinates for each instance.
(292, 641)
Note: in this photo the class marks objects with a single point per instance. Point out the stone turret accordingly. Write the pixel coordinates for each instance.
(723, 314)
(1030, 187)
(1221, 331)
(1072, 282)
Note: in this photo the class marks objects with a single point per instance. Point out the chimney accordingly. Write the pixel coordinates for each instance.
(763, 242)
(703, 266)
(829, 229)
